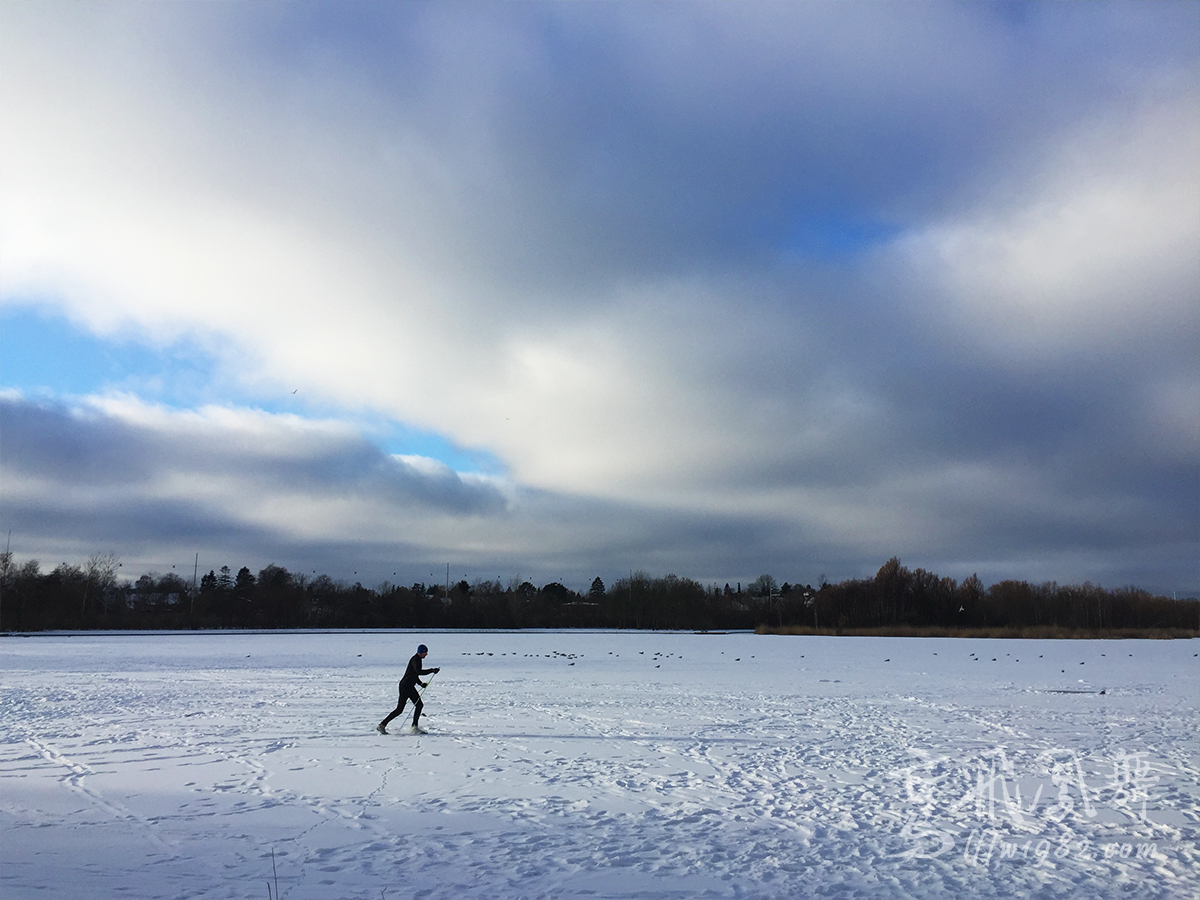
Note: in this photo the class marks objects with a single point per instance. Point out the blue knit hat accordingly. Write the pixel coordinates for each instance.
(422, 649)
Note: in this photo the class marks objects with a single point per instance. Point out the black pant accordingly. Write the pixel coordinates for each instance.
(405, 696)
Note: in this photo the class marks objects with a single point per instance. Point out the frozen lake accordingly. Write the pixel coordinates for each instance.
(598, 764)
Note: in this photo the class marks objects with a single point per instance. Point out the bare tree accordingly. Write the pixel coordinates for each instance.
(101, 571)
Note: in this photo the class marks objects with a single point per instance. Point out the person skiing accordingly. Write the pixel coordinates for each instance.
(408, 690)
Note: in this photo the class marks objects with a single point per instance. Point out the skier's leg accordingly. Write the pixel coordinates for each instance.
(395, 712)
(419, 706)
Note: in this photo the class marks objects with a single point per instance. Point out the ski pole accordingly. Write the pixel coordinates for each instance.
(422, 691)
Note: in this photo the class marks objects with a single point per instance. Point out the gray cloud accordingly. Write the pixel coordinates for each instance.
(90, 448)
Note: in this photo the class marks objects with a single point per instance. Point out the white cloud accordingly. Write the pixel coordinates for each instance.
(1097, 248)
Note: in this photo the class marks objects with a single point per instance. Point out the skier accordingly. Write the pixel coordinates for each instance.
(408, 691)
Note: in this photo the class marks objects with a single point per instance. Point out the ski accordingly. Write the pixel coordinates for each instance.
(409, 730)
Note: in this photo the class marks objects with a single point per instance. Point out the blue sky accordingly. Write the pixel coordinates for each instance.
(569, 290)
(44, 355)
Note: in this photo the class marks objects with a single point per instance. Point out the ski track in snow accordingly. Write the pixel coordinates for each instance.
(598, 764)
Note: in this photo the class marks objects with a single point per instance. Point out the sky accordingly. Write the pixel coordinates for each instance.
(558, 291)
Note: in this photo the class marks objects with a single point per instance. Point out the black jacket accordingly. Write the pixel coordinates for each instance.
(412, 675)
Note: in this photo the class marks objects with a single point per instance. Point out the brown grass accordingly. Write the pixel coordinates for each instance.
(1028, 632)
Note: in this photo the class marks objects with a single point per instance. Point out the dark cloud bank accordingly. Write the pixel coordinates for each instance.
(106, 476)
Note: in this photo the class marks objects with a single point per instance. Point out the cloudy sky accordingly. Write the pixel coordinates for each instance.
(565, 290)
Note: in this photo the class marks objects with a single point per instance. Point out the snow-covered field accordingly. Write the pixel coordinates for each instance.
(598, 764)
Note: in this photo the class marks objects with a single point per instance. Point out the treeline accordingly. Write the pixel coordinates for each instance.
(93, 597)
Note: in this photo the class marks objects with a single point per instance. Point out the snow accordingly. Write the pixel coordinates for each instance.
(597, 764)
